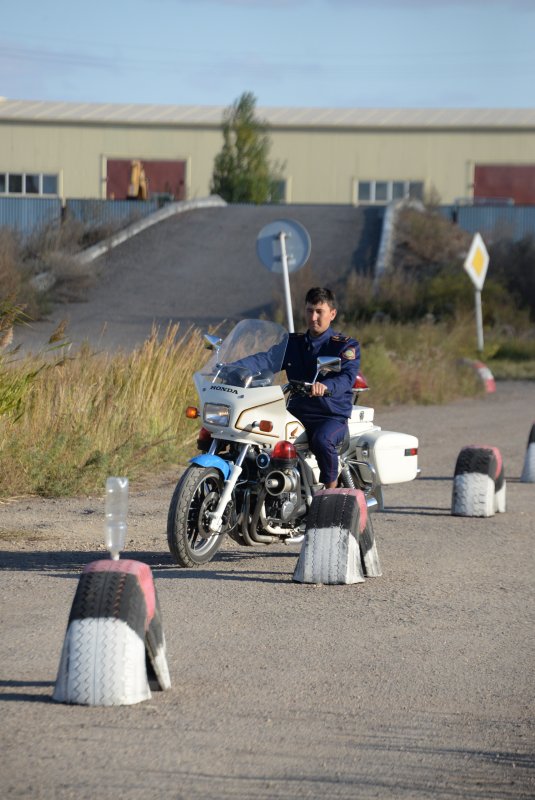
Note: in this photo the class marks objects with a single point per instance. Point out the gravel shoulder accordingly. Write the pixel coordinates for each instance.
(418, 684)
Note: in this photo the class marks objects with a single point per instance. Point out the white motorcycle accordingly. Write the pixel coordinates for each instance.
(255, 477)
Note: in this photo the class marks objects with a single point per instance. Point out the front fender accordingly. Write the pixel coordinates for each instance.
(209, 460)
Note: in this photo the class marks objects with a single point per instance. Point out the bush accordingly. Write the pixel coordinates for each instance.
(428, 280)
(47, 258)
(15, 286)
(511, 266)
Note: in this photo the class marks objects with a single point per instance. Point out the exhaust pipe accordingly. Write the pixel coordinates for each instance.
(278, 482)
(259, 538)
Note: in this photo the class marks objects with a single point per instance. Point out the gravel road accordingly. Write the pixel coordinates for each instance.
(418, 684)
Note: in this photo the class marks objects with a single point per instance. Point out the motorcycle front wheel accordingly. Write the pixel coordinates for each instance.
(189, 537)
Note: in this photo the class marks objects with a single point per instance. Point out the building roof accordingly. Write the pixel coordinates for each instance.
(150, 114)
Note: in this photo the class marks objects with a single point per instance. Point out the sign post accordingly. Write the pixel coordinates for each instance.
(286, 279)
(283, 246)
(476, 265)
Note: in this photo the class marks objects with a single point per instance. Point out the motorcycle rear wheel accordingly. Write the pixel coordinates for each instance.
(190, 540)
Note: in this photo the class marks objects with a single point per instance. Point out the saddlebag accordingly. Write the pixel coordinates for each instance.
(394, 456)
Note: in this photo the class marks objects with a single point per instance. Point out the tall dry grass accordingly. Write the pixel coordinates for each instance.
(90, 415)
(417, 363)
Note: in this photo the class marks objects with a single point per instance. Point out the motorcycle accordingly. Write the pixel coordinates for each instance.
(254, 477)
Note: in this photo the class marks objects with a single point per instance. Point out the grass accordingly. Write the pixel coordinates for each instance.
(84, 417)
(512, 357)
(43, 268)
(513, 371)
(93, 415)
(416, 363)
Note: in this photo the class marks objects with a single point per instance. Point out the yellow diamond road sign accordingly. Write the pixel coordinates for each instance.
(477, 261)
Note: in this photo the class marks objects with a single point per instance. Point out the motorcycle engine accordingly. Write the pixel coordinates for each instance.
(284, 507)
(283, 502)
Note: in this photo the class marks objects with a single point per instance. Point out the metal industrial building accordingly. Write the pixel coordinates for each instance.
(330, 156)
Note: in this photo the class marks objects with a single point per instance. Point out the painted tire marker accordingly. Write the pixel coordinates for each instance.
(479, 487)
(483, 372)
(528, 472)
(114, 632)
(339, 545)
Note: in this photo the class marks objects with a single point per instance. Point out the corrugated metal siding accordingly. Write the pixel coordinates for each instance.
(494, 222)
(110, 212)
(27, 214)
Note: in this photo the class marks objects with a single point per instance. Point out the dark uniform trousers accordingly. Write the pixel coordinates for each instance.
(323, 437)
(324, 418)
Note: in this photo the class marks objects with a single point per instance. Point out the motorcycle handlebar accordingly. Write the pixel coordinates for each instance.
(305, 388)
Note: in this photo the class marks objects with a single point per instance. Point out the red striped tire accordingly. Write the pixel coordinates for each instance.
(479, 483)
(331, 552)
(114, 624)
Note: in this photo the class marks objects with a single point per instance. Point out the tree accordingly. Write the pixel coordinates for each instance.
(242, 172)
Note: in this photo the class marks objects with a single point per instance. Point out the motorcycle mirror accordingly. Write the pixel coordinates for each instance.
(212, 342)
(327, 364)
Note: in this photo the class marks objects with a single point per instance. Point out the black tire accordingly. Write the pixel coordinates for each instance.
(190, 541)
(103, 660)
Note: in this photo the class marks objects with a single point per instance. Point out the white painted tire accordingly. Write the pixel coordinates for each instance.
(368, 551)
(114, 624)
(500, 499)
(330, 552)
(528, 472)
(473, 495)
(102, 664)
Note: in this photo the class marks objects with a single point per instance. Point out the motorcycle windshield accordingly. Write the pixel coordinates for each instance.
(251, 355)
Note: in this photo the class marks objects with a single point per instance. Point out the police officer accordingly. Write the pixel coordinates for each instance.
(324, 417)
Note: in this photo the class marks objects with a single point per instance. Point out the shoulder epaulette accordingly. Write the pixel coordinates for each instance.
(339, 338)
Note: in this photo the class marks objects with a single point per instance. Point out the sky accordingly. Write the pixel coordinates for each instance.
(296, 53)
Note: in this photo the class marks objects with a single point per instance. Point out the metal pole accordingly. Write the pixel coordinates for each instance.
(287, 295)
(479, 321)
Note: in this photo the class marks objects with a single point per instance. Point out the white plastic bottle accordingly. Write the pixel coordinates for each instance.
(116, 511)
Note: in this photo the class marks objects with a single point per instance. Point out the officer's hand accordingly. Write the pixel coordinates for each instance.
(318, 390)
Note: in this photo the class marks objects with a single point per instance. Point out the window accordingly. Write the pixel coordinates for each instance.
(32, 184)
(50, 184)
(386, 191)
(15, 184)
(398, 190)
(28, 183)
(416, 190)
(381, 191)
(365, 192)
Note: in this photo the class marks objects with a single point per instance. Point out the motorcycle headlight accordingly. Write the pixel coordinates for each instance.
(216, 414)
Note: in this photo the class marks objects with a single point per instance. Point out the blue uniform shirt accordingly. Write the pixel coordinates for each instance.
(300, 364)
